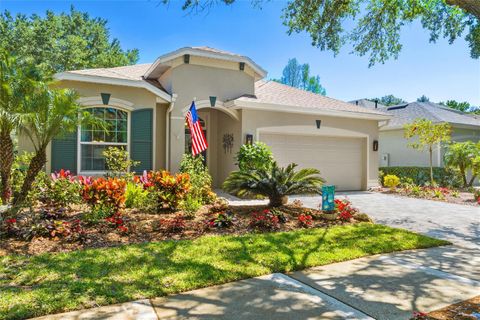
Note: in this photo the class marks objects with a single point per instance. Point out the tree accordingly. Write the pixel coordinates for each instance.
(298, 75)
(389, 100)
(376, 24)
(275, 182)
(460, 106)
(47, 113)
(66, 41)
(461, 156)
(423, 98)
(427, 135)
(16, 80)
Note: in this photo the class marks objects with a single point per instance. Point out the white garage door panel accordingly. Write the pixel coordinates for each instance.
(338, 159)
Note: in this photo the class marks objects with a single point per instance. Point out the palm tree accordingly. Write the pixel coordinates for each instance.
(47, 114)
(16, 80)
(276, 183)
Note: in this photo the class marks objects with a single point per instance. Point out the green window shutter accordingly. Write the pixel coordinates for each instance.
(141, 139)
(64, 153)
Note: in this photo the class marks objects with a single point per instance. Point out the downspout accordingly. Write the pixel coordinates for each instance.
(167, 131)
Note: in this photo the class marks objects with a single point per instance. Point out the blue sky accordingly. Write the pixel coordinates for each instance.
(440, 71)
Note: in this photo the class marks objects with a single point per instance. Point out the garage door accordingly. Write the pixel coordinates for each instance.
(338, 159)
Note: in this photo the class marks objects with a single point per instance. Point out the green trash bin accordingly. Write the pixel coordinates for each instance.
(328, 198)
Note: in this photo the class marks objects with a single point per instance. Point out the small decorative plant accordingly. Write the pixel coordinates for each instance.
(222, 220)
(305, 220)
(173, 225)
(344, 209)
(264, 220)
(391, 181)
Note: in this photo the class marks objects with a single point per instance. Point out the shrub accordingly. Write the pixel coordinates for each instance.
(60, 190)
(391, 181)
(118, 162)
(200, 178)
(305, 220)
(135, 196)
(275, 182)
(264, 220)
(444, 177)
(106, 196)
(165, 190)
(222, 219)
(461, 156)
(254, 156)
(476, 195)
(191, 205)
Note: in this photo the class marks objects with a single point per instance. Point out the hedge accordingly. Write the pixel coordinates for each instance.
(421, 175)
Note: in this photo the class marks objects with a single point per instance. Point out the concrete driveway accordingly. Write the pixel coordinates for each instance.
(457, 223)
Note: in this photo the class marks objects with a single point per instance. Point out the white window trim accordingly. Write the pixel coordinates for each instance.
(79, 140)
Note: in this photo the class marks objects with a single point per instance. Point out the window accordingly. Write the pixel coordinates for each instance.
(94, 141)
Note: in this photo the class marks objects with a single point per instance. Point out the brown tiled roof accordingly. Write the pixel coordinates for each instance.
(272, 92)
(134, 72)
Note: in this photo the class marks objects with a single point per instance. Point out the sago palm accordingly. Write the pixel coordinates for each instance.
(275, 183)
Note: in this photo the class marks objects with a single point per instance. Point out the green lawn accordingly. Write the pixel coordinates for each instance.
(51, 283)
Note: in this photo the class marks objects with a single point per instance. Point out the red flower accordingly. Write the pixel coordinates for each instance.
(11, 221)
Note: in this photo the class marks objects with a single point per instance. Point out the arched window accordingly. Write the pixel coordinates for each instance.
(94, 141)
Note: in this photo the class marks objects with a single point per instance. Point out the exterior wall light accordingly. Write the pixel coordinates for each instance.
(375, 145)
(249, 139)
(319, 123)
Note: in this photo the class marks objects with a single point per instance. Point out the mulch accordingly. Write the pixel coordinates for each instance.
(465, 198)
(147, 227)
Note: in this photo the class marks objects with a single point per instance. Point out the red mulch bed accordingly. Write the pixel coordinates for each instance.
(465, 198)
(147, 227)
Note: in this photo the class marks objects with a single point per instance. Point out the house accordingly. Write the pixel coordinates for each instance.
(393, 147)
(147, 103)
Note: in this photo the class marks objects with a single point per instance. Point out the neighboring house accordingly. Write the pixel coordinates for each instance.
(147, 103)
(393, 147)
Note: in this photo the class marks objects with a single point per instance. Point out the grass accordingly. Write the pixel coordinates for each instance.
(51, 283)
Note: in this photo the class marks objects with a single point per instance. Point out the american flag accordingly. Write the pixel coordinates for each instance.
(199, 143)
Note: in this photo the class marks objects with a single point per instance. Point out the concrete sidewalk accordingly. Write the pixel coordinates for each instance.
(388, 286)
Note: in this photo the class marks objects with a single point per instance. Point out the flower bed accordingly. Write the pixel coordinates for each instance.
(434, 193)
(72, 232)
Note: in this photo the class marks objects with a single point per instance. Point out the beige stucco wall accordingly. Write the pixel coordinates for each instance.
(393, 143)
(255, 122)
(192, 81)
